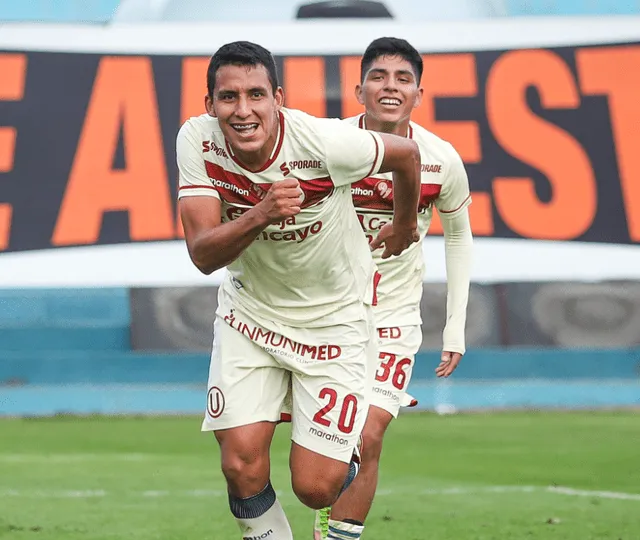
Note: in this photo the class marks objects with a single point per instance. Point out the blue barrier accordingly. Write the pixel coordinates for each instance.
(58, 11)
(64, 319)
(572, 7)
(125, 382)
(129, 367)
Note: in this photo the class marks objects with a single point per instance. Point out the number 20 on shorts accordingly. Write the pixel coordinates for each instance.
(347, 418)
(399, 377)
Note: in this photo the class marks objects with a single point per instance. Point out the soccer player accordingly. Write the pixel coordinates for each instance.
(266, 192)
(391, 70)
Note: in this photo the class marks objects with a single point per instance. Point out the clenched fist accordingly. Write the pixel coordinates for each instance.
(283, 200)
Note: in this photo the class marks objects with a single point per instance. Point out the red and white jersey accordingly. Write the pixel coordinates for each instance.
(314, 269)
(445, 185)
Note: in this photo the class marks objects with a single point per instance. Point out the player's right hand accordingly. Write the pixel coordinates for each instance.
(283, 200)
(394, 239)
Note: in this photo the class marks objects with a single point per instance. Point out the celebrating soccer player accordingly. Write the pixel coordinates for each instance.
(391, 70)
(266, 191)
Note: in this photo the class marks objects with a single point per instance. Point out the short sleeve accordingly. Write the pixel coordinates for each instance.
(192, 180)
(351, 153)
(455, 194)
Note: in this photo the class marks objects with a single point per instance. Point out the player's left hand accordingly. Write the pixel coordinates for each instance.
(448, 363)
(395, 239)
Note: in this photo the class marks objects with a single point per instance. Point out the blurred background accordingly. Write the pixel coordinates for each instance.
(100, 308)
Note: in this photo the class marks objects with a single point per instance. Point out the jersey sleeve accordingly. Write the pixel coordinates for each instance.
(192, 175)
(351, 153)
(455, 194)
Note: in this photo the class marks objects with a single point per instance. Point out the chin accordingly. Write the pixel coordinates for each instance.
(250, 145)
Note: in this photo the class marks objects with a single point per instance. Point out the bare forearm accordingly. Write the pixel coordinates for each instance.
(458, 253)
(406, 192)
(217, 247)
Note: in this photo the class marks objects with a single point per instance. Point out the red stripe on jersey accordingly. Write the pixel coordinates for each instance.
(456, 209)
(274, 154)
(316, 190)
(377, 194)
(376, 281)
(284, 417)
(236, 188)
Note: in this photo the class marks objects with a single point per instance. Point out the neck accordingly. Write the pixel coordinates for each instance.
(400, 128)
(254, 161)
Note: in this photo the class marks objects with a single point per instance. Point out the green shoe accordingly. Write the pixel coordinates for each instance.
(321, 526)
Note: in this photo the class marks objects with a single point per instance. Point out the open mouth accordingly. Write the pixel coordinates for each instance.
(390, 102)
(245, 129)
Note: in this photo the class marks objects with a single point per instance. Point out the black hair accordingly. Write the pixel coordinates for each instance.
(241, 53)
(390, 46)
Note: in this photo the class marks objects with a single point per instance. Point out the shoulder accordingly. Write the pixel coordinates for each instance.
(354, 120)
(199, 127)
(433, 146)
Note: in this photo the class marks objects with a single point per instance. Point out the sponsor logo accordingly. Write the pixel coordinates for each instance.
(384, 188)
(360, 192)
(260, 537)
(431, 168)
(210, 146)
(331, 437)
(372, 223)
(390, 333)
(297, 235)
(386, 393)
(231, 187)
(299, 164)
(278, 344)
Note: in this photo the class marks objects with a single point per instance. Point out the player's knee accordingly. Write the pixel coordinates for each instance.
(245, 472)
(317, 491)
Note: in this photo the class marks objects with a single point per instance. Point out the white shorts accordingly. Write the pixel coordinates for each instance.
(253, 368)
(393, 366)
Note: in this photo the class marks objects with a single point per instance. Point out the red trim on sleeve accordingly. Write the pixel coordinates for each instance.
(456, 209)
(375, 159)
(197, 187)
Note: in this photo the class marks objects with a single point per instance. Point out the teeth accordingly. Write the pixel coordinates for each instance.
(245, 127)
(388, 101)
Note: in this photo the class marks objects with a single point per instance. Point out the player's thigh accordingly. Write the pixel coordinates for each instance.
(246, 385)
(330, 404)
(393, 367)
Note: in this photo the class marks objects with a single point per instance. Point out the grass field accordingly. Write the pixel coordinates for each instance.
(506, 476)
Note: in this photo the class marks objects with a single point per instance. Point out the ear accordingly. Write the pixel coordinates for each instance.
(358, 93)
(208, 105)
(418, 100)
(279, 97)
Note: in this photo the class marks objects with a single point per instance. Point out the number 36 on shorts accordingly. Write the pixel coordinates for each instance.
(394, 368)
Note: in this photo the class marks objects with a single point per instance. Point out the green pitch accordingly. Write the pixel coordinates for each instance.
(508, 476)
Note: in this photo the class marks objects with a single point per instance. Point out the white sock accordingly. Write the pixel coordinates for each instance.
(338, 530)
(261, 517)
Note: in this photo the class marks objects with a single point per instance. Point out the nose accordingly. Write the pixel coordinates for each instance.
(243, 110)
(390, 84)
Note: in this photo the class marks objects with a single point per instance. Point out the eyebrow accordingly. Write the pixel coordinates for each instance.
(386, 72)
(224, 91)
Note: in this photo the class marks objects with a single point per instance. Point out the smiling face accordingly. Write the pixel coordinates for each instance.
(389, 93)
(247, 111)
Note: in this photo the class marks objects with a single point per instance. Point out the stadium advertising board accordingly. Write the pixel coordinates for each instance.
(548, 133)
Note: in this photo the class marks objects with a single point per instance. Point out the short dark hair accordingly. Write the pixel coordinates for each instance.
(241, 53)
(390, 46)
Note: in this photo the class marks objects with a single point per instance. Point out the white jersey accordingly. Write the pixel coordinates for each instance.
(314, 269)
(445, 185)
